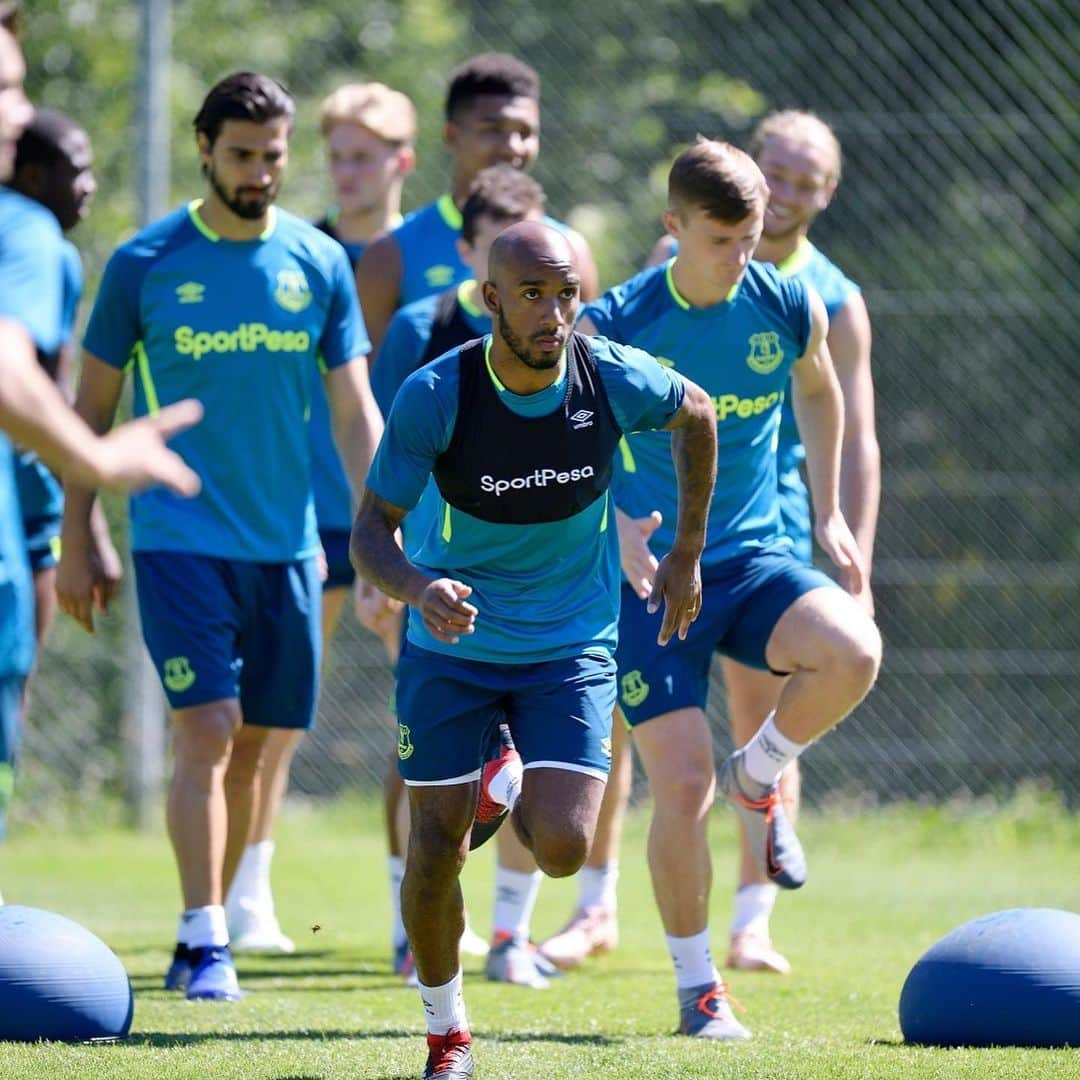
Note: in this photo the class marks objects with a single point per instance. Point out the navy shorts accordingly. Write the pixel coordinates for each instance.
(339, 571)
(11, 691)
(223, 628)
(43, 541)
(742, 601)
(559, 713)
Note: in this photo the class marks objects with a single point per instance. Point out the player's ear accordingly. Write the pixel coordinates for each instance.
(670, 218)
(406, 159)
(491, 297)
(827, 192)
(203, 141)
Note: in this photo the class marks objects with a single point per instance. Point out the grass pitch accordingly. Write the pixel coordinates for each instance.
(884, 885)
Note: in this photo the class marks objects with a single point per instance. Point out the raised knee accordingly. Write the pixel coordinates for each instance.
(864, 656)
(562, 856)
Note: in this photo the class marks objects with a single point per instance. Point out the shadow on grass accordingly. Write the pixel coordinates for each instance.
(164, 1039)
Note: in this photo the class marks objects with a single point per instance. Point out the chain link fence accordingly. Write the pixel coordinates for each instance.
(957, 213)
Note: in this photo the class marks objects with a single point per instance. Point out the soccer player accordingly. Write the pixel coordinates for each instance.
(53, 166)
(492, 117)
(513, 589)
(742, 330)
(33, 411)
(231, 300)
(369, 131)
(799, 155)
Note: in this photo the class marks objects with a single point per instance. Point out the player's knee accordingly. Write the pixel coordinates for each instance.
(691, 793)
(563, 853)
(862, 657)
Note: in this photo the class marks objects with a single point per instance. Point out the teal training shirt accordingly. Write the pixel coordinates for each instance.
(31, 292)
(427, 240)
(741, 352)
(238, 325)
(547, 589)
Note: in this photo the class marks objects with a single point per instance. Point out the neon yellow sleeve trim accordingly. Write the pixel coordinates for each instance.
(628, 462)
(450, 213)
(607, 506)
(447, 527)
(149, 390)
(321, 361)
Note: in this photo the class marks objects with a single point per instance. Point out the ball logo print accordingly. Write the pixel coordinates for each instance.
(765, 354)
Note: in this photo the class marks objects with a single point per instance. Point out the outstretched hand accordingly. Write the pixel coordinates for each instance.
(134, 455)
(678, 584)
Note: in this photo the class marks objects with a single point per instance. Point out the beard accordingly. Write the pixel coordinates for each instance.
(251, 206)
(519, 348)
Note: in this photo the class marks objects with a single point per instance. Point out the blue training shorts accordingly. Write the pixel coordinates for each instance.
(339, 571)
(223, 628)
(11, 692)
(42, 541)
(559, 713)
(742, 601)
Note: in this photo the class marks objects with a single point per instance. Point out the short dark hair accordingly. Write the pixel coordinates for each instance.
(245, 95)
(718, 178)
(500, 192)
(42, 143)
(490, 73)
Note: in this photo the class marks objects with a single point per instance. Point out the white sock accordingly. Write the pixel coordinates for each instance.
(395, 864)
(753, 906)
(768, 751)
(203, 927)
(252, 880)
(444, 1007)
(505, 785)
(515, 898)
(692, 958)
(596, 886)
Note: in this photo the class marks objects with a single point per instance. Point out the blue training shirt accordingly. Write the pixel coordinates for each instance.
(544, 590)
(238, 325)
(741, 352)
(427, 240)
(40, 493)
(31, 291)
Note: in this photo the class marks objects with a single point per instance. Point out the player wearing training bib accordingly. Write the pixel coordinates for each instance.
(743, 331)
(231, 301)
(513, 585)
(492, 117)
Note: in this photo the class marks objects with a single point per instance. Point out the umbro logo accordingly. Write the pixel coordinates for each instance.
(191, 292)
(581, 419)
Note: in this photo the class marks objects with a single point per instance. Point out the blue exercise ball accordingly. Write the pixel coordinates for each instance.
(1007, 979)
(59, 981)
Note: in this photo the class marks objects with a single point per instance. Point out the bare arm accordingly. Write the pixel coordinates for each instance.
(377, 558)
(860, 458)
(819, 411)
(378, 284)
(34, 413)
(356, 419)
(661, 252)
(693, 450)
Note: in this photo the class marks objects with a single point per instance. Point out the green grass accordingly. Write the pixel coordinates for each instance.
(884, 886)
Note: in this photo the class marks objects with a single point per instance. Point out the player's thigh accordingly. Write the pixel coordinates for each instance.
(656, 679)
(559, 714)
(751, 695)
(190, 615)
(820, 629)
(281, 642)
(676, 751)
(447, 709)
(559, 802)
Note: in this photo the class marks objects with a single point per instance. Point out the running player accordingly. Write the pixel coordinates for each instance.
(53, 166)
(499, 628)
(233, 301)
(742, 330)
(492, 117)
(33, 411)
(369, 131)
(799, 155)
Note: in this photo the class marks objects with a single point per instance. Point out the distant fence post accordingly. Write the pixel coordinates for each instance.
(143, 704)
